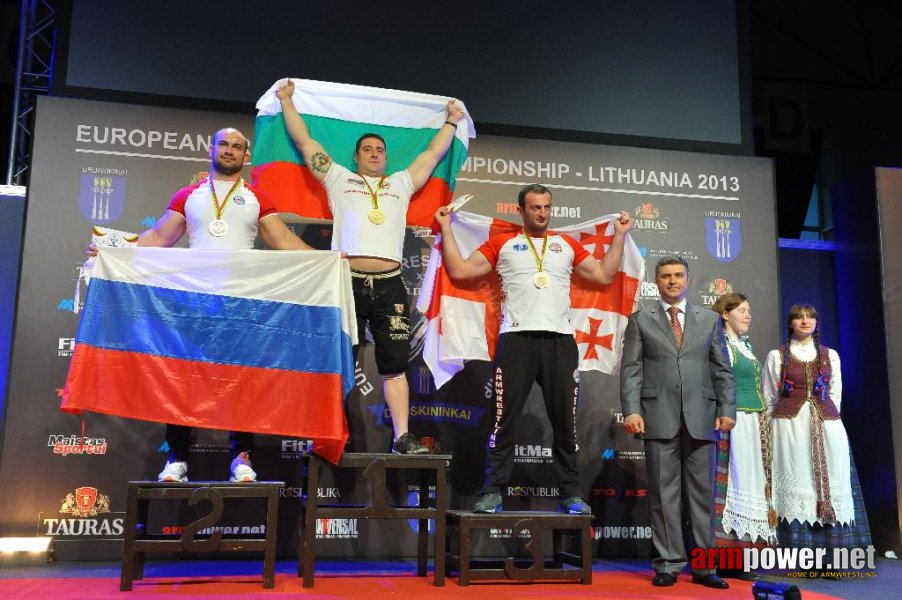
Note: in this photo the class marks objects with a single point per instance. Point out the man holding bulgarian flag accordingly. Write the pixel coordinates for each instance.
(370, 212)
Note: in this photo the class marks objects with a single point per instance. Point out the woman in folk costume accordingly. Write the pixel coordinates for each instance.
(744, 511)
(813, 471)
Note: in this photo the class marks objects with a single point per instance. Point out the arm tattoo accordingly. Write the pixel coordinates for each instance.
(320, 162)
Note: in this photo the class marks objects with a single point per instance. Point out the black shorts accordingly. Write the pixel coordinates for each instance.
(381, 303)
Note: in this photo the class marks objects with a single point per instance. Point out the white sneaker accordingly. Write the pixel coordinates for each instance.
(241, 469)
(174, 471)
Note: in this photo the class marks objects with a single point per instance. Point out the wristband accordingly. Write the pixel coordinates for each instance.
(454, 125)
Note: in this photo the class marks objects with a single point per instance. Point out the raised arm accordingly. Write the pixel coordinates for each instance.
(424, 164)
(277, 235)
(603, 271)
(476, 265)
(315, 156)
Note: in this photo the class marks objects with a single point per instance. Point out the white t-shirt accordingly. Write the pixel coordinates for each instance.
(242, 211)
(351, 203)
(526, 307)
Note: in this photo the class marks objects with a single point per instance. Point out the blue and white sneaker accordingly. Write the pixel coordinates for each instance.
(575, 506)
(241, 471)
(174, 471)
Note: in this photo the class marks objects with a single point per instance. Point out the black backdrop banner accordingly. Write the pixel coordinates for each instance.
(117, 165)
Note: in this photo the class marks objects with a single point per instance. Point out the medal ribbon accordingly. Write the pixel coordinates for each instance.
(532, 248)
(217, 207)
(374, 196)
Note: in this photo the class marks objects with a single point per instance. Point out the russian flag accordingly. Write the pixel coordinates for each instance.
(337, 115)
(464, 317)
(246, 340)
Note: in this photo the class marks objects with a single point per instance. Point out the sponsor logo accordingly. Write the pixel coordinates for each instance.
(205, 448)
(648, 218)
(521, 247)
(555, 247)
(101, 198)
(439, 412)
(608, 454)
(223, 529)
(336, 529)
(506, 533)
(532, 454)
(295, 449)
(65, 347)
(298, 492)
(613, 532)
(723, 237)
(239, 200)
(83, 513)
(630, 455)
(655, 253)
(717, 288)
(530, 491)
(804, 563)
(68, 305)
(291, 492)
(615, 494)
(64, 445)
(572, 212)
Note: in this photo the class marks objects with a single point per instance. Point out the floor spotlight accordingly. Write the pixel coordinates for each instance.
(26, 550)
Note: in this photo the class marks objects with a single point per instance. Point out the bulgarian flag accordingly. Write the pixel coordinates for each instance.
(337, 115)
(246, 340)
(463, 318)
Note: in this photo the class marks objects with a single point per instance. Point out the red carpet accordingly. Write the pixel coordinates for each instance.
(609, 584)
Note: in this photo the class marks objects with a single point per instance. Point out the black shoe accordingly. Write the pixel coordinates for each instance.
(710, 580)
(663, 580)
(737, 574)
(408, 444)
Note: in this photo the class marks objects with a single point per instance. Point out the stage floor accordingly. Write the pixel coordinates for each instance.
(387, 579)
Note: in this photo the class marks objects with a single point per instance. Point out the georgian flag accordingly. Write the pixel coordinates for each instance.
(463, 318)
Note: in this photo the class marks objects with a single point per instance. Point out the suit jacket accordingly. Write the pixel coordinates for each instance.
(659, 381)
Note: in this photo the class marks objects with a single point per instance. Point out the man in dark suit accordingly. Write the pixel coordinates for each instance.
(676, 389)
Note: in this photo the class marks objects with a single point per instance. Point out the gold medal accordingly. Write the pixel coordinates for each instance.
(218, 227)
(541, 278)
(376, 217)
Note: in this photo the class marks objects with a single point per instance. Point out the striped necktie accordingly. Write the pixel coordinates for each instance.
(675, 325)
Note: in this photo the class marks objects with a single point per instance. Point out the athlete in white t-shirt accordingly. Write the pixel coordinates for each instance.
(536, 342)
(369, 211)
(220, 213)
